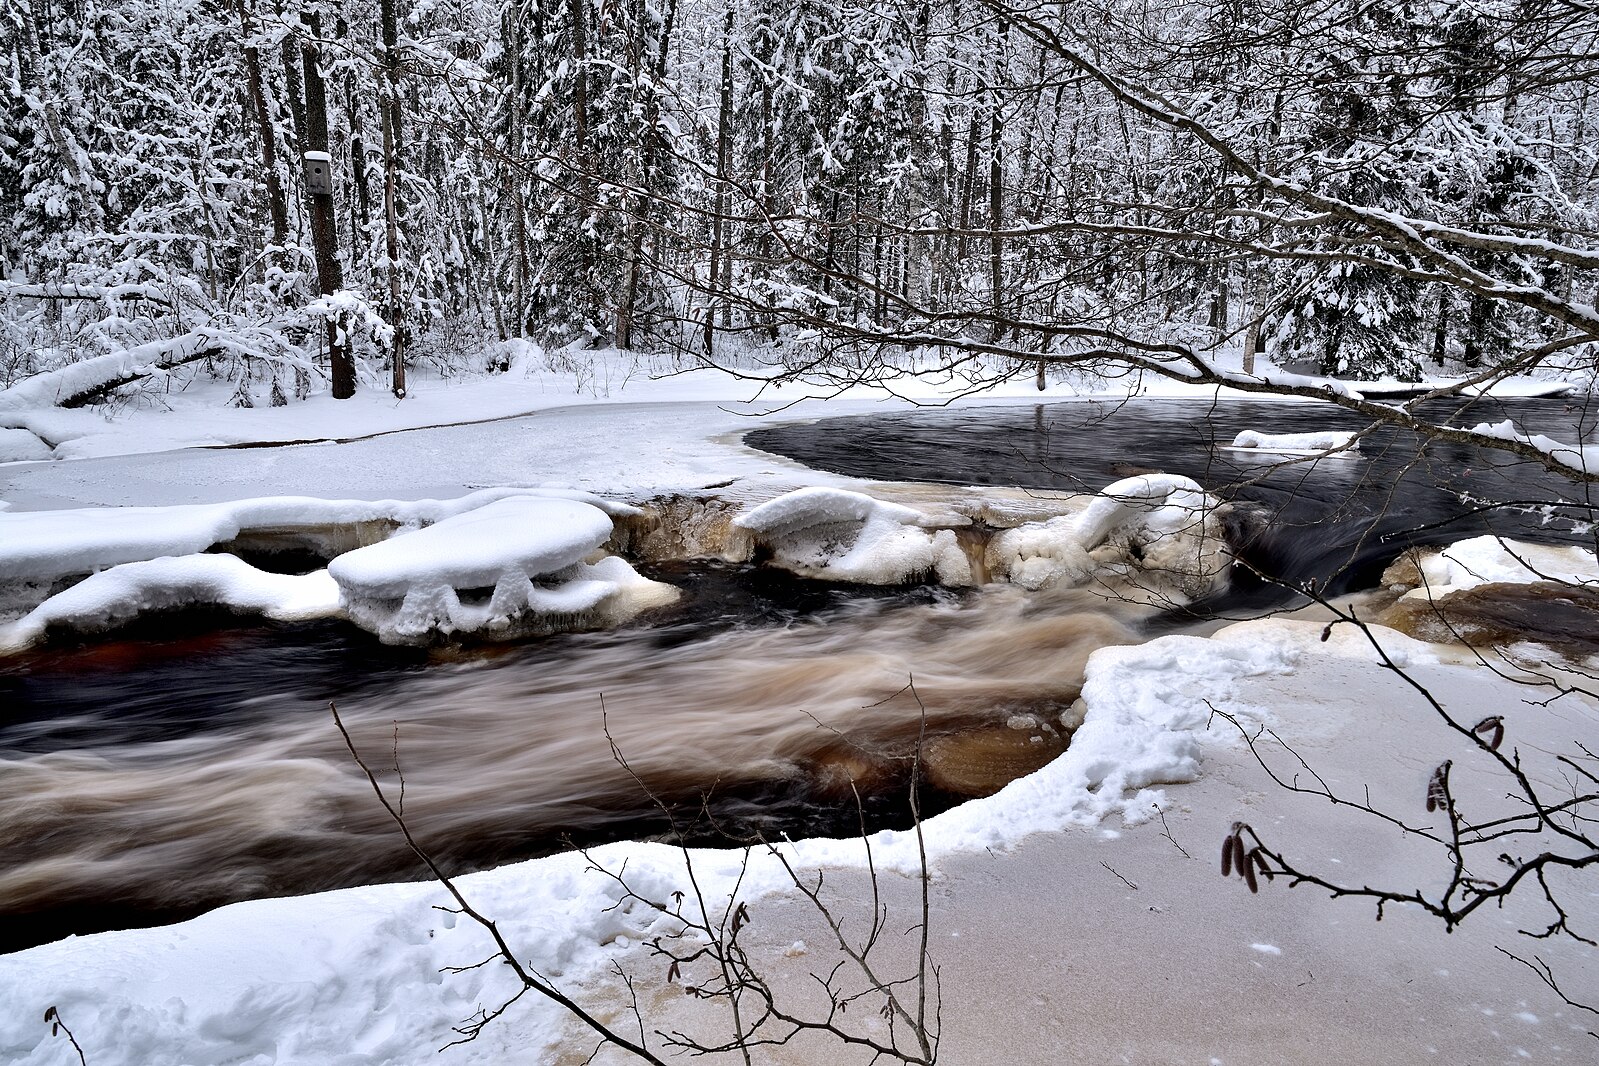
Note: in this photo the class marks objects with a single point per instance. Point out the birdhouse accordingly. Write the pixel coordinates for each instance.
(319, 174)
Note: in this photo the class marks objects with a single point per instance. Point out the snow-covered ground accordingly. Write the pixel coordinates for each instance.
(535, 381)
(1077, 914)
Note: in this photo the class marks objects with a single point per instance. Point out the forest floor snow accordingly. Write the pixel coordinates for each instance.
(1068, 922)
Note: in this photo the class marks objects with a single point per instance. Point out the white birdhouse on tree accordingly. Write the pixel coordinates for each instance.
(319, 173)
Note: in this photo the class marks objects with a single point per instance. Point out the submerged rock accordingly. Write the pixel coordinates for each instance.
(1565, 617)
(982, 761)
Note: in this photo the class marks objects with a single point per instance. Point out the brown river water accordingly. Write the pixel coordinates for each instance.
(228, 780)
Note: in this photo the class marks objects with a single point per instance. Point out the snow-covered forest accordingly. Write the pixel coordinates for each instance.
(1369, 189)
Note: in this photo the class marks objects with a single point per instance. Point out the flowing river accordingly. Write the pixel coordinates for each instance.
(193, 760)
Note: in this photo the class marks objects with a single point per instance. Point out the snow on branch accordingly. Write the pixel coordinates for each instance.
(348, 309)
(1579, 458)
(66, 292)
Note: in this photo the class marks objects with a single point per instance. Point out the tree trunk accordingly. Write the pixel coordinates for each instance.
(768, 196)
(635, 204)
(324, 231)
(579, 20)
(292, 84)
(277, 206)
(389, 105)
(996, 207)
(829, 260)
(996, 189)
(1440, 330)
(968, 180)
(724, 135)
(521, 267)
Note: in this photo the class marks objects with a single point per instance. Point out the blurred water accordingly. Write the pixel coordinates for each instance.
(154, 776)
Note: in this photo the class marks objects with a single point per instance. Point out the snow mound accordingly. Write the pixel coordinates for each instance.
(530, 534)
(42, 545)
(1481, 560)
(42, 550)
(1163, 526)
(508, 569)
(19, 445)
(849, 536)
(116, 596)
(1297, 442)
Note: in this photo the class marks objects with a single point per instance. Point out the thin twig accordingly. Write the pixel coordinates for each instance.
(529, 981)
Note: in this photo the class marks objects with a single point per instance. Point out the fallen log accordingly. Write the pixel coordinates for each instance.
(90, 380)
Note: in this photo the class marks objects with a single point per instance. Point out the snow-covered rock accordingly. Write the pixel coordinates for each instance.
(1489, 559)
(41, 545)
(1161, 526)
(1492, 591)
(1042, 554)
(471, 550)
(1298, 443)
(115, 596)
(510, 568)
(849, 536)
(42, 550)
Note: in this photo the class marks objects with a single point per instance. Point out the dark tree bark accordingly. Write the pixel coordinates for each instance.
(389, 105)
(290, 55)
(724, 136)
(578, 18)
(277, 206)
(996, 197)
(521, 265)
(324, 229)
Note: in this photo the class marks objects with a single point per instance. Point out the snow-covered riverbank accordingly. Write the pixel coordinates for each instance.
(1071, 925)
